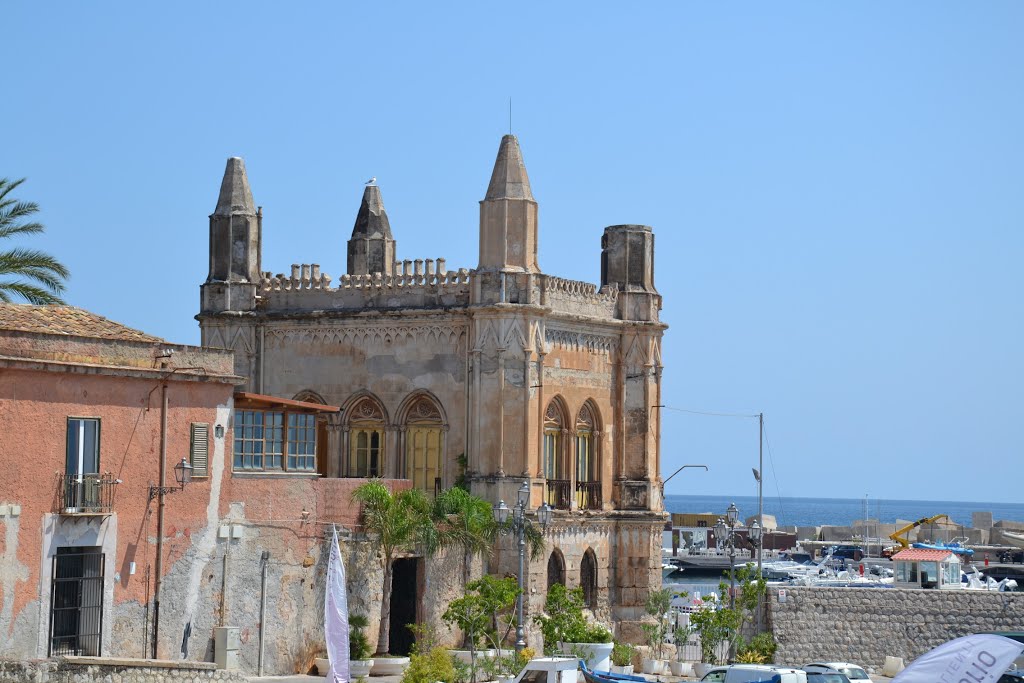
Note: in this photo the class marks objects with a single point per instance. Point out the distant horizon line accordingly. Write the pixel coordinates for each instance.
(871, 499)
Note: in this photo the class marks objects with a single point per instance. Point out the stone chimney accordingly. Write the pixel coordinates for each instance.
(508, 215)
(371, 248)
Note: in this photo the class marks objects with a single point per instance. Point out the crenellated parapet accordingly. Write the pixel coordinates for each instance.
(578, 297)
(415, 283)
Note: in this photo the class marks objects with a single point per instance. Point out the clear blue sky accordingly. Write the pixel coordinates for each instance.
(836, 190)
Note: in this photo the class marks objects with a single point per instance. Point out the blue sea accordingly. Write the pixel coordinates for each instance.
(843, 511)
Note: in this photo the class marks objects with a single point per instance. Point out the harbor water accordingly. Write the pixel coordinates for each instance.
(794, 511)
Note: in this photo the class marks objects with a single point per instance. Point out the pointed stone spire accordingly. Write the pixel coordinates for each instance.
(235, 195)
(509, 179)
(236, 227)
(372, 219)
(371, 248)
(508, 215)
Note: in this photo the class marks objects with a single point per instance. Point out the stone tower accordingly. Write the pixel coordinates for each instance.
(371, 248)
(235, 235)
(508, 215)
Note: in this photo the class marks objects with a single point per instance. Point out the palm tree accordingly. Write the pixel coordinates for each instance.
(39, 278)
(466, 522)
(395, 522)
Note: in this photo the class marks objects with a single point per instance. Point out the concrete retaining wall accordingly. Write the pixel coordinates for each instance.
(864, 625)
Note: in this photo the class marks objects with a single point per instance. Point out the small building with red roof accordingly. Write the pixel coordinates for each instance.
(927, 568)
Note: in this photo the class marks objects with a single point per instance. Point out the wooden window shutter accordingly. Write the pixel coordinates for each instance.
(200, 450)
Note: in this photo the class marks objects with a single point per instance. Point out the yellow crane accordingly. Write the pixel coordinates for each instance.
(898, 535)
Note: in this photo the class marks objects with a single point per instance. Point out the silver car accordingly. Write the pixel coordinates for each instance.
(851, 671)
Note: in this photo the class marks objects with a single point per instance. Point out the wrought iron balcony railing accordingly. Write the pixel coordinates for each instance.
(86, 494)
(588, 495)
(558, 495)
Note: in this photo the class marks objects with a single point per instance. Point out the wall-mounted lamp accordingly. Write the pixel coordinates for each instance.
(218, 431)
(182, 475)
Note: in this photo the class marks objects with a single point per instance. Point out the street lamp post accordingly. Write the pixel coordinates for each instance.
(519, 523)
(725, 530)
(756, 534)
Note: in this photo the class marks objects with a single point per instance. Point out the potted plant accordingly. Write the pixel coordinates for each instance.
(505, 668)
(564, 627)
(657, 606)
(622, 658)
(476, 614)
(680, 636)
(714, 624)
(359, 664)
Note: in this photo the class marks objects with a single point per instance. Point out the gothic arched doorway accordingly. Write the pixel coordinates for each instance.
(556, 568)
(588, 578)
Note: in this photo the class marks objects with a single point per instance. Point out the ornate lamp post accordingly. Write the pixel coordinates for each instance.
(519, 523)
(756, 535)
(725, 533)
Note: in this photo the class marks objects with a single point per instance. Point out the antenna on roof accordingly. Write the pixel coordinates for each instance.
(510, 116)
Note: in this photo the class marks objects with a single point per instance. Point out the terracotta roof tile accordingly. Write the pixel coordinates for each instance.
(66, 320)
(918, 554)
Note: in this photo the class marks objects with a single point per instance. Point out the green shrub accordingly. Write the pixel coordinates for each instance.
(622, 654)
(563, 620)
(358, 645)
(431, 667)
(760, 650)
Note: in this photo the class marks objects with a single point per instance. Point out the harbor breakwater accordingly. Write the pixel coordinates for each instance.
(865, 625)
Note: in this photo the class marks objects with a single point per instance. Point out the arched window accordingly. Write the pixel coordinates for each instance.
(588, 484)
(424, 442)
(556, 568)
(555, 470)
(365, 439)
(588, 578)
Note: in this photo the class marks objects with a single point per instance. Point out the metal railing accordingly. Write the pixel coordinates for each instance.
(558, 495)
(85, 493)
(588, 495)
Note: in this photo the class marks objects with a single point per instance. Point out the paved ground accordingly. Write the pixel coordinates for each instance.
(298, 678)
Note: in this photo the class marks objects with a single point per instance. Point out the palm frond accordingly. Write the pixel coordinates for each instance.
(7, 185)
(39, 277)
(30, 293)
(34, 264)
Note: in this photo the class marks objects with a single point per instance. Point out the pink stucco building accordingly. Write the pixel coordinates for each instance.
(88, 408)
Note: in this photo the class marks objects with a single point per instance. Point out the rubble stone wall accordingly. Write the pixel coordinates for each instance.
(864, 625)
(96, 670)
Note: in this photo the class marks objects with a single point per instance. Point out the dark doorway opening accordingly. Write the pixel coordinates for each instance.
(556, 568)
(76, 602)
(403, 605)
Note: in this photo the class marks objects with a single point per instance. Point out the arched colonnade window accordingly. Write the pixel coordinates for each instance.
(571, 458)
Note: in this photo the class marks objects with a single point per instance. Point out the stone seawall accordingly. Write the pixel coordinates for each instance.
(864, 625)
(112, 670)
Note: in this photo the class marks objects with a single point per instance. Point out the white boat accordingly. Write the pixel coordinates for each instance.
(1014, 538)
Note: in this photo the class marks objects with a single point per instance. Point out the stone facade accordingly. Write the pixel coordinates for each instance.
(501, 374)
(866, 625)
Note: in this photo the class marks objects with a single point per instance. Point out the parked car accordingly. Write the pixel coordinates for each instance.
(851, 671)
(754, 673)
(820, 677)
(1012, 676)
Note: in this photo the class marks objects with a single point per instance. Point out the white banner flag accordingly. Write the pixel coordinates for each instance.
(971, 659)
(336, 615)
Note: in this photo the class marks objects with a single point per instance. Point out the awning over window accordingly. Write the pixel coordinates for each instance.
(244, 399)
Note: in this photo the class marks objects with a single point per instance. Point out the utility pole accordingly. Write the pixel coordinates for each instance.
(760, 510)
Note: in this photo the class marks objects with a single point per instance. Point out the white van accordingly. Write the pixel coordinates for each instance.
(754, 673)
